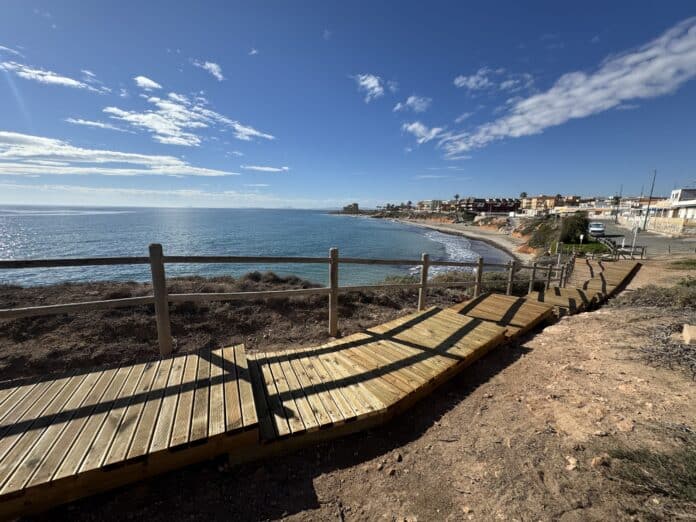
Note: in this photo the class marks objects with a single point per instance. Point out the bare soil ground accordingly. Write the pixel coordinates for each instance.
(539, 430)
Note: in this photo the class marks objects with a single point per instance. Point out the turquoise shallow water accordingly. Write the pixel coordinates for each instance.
(47, 232)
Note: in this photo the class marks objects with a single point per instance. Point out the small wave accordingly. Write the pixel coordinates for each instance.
(457, 248)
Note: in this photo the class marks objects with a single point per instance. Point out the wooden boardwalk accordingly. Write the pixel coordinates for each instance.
(516, 314)
(368, 374)
(66, 437)
(71, 436)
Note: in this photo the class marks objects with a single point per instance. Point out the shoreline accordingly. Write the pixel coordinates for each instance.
(502, 242)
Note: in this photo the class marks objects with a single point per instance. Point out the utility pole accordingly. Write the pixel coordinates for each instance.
(647, 211)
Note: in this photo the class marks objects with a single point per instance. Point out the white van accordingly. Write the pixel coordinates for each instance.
(596, 229)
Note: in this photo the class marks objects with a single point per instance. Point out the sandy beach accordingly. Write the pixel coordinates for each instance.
(500, 240)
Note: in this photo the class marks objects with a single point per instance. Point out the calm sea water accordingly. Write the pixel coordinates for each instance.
(47, 232)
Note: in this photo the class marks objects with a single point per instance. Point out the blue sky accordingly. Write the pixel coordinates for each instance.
(316, 104)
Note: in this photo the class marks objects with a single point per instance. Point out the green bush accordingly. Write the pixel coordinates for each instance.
(572, 227)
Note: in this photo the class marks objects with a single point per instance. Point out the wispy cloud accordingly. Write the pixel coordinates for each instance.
(49, 77)
(431, 176)
(9, 50)
(177, 119)
(146, 83)
(476, 81)
(25, 154)
(422, 133)
(463, 116)
(253, 51)
(414, 103)
(326, 34)
(211, 67)
(257, 185)
(487, 78)
(371, 85)
(259, 168)
(235, 153)
(96, 124)
(654, 69)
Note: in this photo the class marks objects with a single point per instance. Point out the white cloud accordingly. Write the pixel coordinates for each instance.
(253, 51)
(97, 124)
(235, 153)
(9, 50)
(393, 86)
(175, 120)
(257, 185)
(123, 93)
(258, 168)
(146, 83)
(211, 67)
(422, 133)
(371, 85)
(415, 103)
(463, 116)
(475, 82)
(24, 154)
(48, 77)
(654, 69)
(326, 34)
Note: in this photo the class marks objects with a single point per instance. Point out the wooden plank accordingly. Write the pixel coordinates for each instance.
(383, 369)
(305, 367)
(315, 368)
(101, 444)
(45, 442)
(370, 382)
(19, 403)
(26, 438)
(407, 377)
(246, 394)
(129, 423)
(148, 419)
(321, 414)
(363, 402)
(34, 410)
(275, 404)
(267, 431)
(233, 407)
(165, 419)
(7, 393)
(72, 461)
(304, 406)
(201, 399)
(290, 408)
(216, 424)
(181, 429)
(63, 443)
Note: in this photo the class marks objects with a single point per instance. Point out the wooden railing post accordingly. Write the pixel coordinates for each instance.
(561, 277)
(511, 277)
(333, 295)
(479, 277)
(159, 288)
(423, 290)
(532, 277)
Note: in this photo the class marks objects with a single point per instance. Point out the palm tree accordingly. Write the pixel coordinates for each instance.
(523, 195)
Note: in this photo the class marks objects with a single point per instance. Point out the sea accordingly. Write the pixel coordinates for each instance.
(56, 232)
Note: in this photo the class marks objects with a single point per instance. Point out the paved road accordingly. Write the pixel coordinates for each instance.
(655, 243)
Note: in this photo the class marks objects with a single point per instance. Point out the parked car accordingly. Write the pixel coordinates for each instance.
(596, 229)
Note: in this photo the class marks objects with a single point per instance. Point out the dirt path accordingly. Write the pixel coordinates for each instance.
(518, 436)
